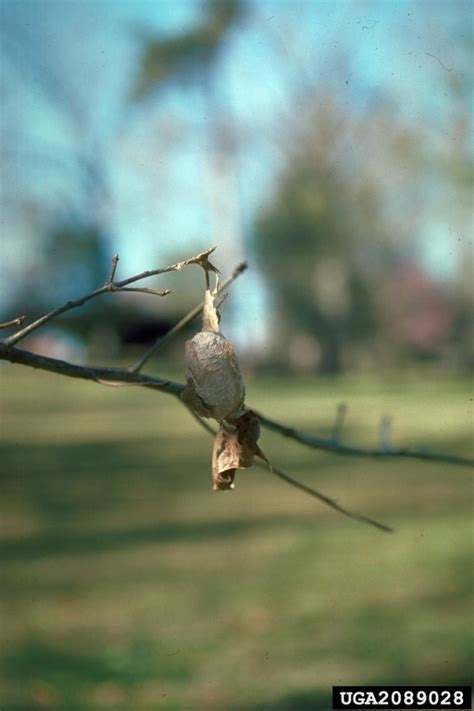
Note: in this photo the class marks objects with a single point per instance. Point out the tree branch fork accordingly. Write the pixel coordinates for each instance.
(120, 377)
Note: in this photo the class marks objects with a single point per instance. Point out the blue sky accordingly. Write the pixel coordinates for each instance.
(67, 70)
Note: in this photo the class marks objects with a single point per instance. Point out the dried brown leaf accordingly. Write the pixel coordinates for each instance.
(225, 459)
(235, 450)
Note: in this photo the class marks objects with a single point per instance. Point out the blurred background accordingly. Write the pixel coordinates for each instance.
(330, 145)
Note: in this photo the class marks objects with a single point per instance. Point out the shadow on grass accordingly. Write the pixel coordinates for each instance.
(303, 701)
(321, 700)
(68, 676)
(29, 461)
(74, 543)
(142, 661)
(57, 480)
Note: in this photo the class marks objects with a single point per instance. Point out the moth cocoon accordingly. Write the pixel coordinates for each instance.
(213, 376)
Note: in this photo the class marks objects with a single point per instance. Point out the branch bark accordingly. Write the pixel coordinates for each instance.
(95, 373)
(120, 375)
(330, 445)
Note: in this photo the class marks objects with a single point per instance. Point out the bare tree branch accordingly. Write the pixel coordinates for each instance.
(108, 287)
(111, 375)
(184, 322)
(329, 445)
(94, 373)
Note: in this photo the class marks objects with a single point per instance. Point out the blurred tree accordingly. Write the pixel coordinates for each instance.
(454, 162)
(54, 172)
(190, 57)
(326, 237)
(75, 254)
(193, 59)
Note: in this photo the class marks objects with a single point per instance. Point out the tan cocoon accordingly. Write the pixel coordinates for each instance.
(214, 382)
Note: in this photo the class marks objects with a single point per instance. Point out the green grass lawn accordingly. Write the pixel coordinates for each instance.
(127, 584)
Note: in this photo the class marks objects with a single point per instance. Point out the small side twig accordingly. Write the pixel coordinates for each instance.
(339, 422)
(144, 290)
(322, 497)
(115, 261)
(160, 342)
(13, 322)
(384, 434)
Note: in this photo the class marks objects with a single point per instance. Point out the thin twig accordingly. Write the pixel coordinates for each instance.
(144, 290)
(205, 425)
(339, 422)
(115, 261)
(160, 342)
(322, 497)
(108, 287)
(173, 268)
(384, 435)
(303, 487)
(14, 322)
(95, 373)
